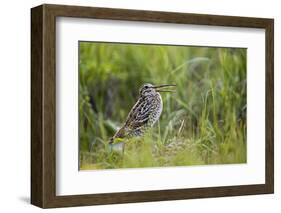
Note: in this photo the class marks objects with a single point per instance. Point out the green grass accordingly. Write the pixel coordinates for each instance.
(204, 122)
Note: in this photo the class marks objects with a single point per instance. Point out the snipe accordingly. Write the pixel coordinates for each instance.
(144, 113)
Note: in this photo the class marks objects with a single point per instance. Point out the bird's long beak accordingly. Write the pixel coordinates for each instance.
(163, 88)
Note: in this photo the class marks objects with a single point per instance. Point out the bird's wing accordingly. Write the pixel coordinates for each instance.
(140, 113)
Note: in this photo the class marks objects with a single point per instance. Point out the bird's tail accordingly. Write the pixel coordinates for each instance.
(119, 134)
(116, 143)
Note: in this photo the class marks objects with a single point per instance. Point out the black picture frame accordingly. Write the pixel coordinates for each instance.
(43, 105)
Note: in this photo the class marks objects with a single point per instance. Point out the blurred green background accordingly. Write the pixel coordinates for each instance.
(204, 122)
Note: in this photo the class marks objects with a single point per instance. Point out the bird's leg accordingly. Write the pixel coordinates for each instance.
(123, 148)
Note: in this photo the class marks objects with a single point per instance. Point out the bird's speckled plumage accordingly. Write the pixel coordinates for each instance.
(144, 114)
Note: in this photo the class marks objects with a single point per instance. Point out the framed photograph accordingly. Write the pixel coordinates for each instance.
(136, 106)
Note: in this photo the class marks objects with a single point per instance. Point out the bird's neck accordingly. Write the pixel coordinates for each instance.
(153, 95)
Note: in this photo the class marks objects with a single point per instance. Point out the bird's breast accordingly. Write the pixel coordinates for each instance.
(158, 107)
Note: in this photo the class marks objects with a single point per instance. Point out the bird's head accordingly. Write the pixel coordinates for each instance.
(149, 89)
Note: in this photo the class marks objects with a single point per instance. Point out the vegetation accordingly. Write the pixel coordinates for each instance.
(204, 122)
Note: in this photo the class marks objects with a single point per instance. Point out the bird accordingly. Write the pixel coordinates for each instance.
(145, 113)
